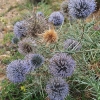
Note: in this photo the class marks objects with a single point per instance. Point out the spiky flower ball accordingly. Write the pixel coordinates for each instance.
(81, 9)
(62, 64)
(64, 8)
(26, 46)
(34, 60)
(39, 14)
(36, 25)
(56, 18)
(20, 30)
(17, 71)
(15, 40)
(50, 36)
(57, 89)
(71, 44)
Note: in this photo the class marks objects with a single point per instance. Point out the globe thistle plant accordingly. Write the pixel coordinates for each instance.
(36, 25)
(27, 46)
(81, 9)
(57, 89)
(20, 30)
(62, 64)
(39, 14)
(34, 60)
(56, 18)
(17, 71)
(71, 44)
(50, 36)
(15, 40)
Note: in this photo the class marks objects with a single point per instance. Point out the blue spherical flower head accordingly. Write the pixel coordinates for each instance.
(26, 46)
(57, 89)
(20, 29)
(17, 71)
(15, 40)
(62, 64)
(39, 14)
(81, 9)
(56, 18)
(34, 60)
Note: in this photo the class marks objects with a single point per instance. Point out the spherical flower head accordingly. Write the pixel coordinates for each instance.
(39, 14)
(57, 89)
(36, 25)
(56, 18)
(50, 36)
(34, 60)
(71, 44)
(62, 64)
(64, 7)
(15, 40)
(81, 9)
(17, 71)
(26, 46)
(20, 29)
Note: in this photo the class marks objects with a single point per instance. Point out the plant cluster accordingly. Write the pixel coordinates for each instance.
(38, 39)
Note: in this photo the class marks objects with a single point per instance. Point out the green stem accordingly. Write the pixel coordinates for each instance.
(83, 29)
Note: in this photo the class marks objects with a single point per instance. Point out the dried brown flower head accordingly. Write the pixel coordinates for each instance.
(36, 25)
(50, 36)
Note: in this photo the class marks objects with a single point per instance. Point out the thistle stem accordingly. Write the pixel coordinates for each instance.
(83, 29)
